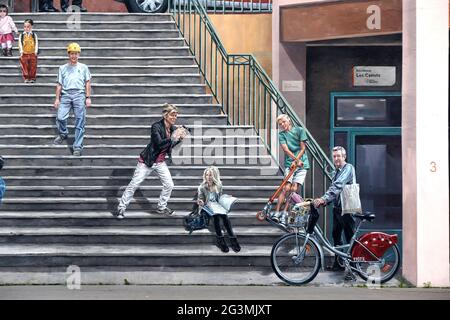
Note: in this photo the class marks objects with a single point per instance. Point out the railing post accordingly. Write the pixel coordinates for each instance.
(228, 81)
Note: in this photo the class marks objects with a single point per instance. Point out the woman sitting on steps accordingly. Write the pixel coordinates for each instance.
(209, 193)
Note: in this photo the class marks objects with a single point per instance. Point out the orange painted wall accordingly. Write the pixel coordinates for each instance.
(104, 6)
(246, 33)
(22, 6)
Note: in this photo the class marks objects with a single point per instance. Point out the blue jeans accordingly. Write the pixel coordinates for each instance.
(142, 172)
(77, 101)
(2, 189)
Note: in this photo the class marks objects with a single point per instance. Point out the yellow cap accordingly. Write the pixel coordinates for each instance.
(73, 47)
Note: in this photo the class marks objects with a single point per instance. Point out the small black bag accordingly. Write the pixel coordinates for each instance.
(196, 220)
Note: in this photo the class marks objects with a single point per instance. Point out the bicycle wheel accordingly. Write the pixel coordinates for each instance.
(294, 261)
(382, 270)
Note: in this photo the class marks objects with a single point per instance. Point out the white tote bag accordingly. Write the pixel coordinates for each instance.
(350, 197)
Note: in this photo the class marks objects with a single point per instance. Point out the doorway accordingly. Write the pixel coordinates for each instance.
(368, 126)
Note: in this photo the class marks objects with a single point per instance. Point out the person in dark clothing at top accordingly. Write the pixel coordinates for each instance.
(65, 5)
(164, 136)
(47, 5)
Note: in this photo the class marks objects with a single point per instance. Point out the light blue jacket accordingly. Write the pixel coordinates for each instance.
(341, 177)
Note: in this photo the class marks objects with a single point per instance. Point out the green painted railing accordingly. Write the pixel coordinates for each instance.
(245, 92)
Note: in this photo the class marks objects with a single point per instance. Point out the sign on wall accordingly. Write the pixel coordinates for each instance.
(292, 85)
(373, 76)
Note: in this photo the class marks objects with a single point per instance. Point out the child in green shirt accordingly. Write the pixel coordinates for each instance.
(292, 140)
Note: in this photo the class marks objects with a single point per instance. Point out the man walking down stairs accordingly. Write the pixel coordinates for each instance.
(73, 92)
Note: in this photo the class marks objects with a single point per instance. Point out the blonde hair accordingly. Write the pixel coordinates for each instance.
(215, 177)
(285, 117)
(168, 108)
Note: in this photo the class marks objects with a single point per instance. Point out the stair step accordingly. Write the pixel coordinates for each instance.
(219, 130)
(112, 191)
(120, 43)
(121, 250)
(82, 25)
(116, 98)
(131, 139)
(103, 219)
(184, 150)
(141, 203)
(113, 235)
(24, 255)
(132, 219)
(158, 275)
(116, 109)
(107, 60)
(130, 215)
(112, 34)
(122, 180)
(107, 89)
(100, 119)
(115, 69)
(95, 17)
(17, 172)
(118, 52)
(131, 159)
(113, 78)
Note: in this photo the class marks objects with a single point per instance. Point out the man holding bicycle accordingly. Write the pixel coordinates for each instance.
(341, 222)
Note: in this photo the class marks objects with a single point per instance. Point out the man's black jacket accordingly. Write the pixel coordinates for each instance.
(158, 142)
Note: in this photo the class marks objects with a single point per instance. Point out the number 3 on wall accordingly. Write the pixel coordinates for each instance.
(433, 166)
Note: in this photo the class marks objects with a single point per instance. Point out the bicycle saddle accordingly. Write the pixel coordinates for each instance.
(366, 216)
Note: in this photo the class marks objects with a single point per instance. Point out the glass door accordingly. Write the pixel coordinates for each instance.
(378, 161)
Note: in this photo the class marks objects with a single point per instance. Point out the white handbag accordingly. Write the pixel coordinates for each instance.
(350, 197)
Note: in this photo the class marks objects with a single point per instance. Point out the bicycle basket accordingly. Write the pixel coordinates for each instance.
(298, 217)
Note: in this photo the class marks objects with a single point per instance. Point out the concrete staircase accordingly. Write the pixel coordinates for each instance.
(57, 209)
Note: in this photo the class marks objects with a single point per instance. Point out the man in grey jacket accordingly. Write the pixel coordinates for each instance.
(342, 176)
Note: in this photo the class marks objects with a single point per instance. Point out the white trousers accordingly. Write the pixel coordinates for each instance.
(142, 172)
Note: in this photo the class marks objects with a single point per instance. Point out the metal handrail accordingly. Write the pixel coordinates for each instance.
(246, 94)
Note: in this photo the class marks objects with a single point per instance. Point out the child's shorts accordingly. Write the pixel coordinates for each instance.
(298, 176)
(6, 37)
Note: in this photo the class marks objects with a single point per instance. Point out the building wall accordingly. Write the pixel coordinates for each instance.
(288, 60)
(22, 6)
(104, 6)
(330, 69)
